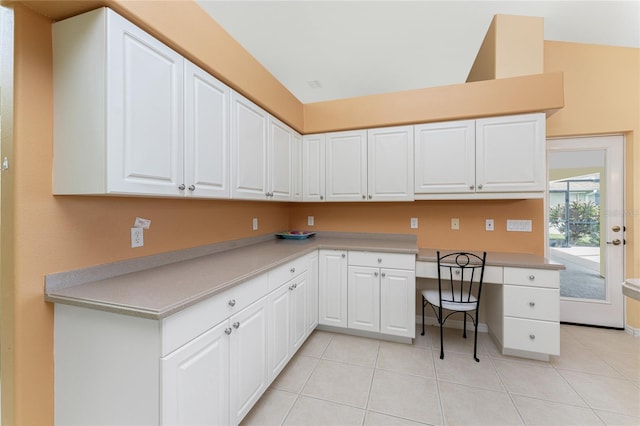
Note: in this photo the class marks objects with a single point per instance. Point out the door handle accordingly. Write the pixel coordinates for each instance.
(615, 242)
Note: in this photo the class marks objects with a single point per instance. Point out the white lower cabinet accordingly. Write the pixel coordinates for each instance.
(332, 291)
(363, 298)
(398, 302)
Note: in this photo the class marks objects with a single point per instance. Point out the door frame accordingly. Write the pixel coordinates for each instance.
(617, 179)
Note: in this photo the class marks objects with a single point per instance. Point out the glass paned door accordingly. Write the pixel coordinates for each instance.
(586, 229)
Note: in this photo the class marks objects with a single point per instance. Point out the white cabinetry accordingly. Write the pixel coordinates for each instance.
(313, 166)
(498, 157)
(332, 291)
(133, 117)
(398, 302)
(363, 298)
(296, 177)
(375, 165)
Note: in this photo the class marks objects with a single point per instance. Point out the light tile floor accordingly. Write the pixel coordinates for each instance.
(342, 380)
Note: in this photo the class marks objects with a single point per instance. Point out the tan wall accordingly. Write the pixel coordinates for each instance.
(602, 95)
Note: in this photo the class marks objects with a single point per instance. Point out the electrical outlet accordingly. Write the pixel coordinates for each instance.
(310, 221)
(414, 223)
(137, 239)
(488, 225)
(255, 223)
(455, 223)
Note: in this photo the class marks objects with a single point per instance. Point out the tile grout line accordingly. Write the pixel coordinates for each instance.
(506, 388)
(373, 376)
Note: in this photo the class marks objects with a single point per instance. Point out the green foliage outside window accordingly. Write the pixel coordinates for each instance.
(583, 225)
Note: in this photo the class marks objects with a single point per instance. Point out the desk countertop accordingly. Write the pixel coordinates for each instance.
(515, 260)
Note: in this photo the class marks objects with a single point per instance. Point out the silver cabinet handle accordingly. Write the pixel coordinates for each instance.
(295, 285)
(344, 255)
(532, 277)
(293, 270)
(192, 187)
(236, 325)
(375, 274)
(532, 336)
(232, 302)
(364, 197)
(227, 331)
(472, 187)
(322, 197)
(379, 260)
(479, 186)
(291, 287)
(181, 187)
(370, 196)
(383, 275)
(457, 271)
(532, 304)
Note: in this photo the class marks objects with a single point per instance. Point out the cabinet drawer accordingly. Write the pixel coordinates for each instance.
(283, 273)
(185, 325)
(532, 277)
(532, 335)
(492, 274)
(382, 260)
(532, 302)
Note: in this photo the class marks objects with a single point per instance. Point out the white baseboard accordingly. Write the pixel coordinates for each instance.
(635, 332)
(450, 323)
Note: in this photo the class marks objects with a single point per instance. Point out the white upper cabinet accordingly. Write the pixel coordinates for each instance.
(346, 166)
(498, 157)
(296, 177)
(118, 104)
(206, 134)
(248, 149)
(262, 153)
(390, 164)
(313, 167)
(510, 153)
(445, 157)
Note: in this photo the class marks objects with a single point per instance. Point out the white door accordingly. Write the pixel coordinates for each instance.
(510, 153)
(280, 161)
(206, 135)
(299, 311)
(195, 381)
(390, 164)
(332, 288)
(346, 157)
(279, 329)
(248, 371)
(312, 294)
(248, 149)
(398, 302)
(586, 186)
(313, 167)
(144, 113)
(364, 298)
(445, 157)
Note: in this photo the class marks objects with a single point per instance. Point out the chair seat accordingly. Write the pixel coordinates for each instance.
(432, 296)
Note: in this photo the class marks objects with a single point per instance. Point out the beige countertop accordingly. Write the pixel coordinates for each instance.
(160, 291)
(515, 260)
(162, 286)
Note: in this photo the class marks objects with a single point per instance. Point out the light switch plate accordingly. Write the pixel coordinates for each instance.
(414, 223)
(255, 223)
(518, 225)
(488, 225)
(310, 220)
(455, 223)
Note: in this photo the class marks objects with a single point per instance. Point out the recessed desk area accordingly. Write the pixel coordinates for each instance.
(522, 311)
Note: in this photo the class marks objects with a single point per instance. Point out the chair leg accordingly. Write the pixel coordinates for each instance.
(441, 336)
(475, 342)
(423, 300)
(464, 327)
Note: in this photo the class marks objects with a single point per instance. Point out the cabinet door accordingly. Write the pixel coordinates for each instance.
(390, 164)
(312, 294)
(144, 113)
(296, 179)
(445, 157)
(364, 298)
(510, 153)
(280, 155)
(195, 381)
(332, 288)
(398, 302)
(346, 167)
(279, 329)
(248, 359)
(299, 312)
(206, 135)
(248, 149)
(313, 167)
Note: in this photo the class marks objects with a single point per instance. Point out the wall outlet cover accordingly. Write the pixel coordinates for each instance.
(137, 237)
(310, 220)
(414, 223)
(455, 223)
(255, 224)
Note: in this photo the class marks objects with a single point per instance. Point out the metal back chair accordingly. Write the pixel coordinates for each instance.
(460, 275)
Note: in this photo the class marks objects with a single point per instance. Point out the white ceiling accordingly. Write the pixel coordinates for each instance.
(356, 48)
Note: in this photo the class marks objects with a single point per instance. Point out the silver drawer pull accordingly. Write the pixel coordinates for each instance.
(379, 260)
(532, 336)
(344, 255)
(375, 274)
(291, 288)
(227, 331)
(236, 325)
(532, 277)
(293, 270)
(457, 271)
(192, 187)
(232, 302)
(383, 275)
(532, 304)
